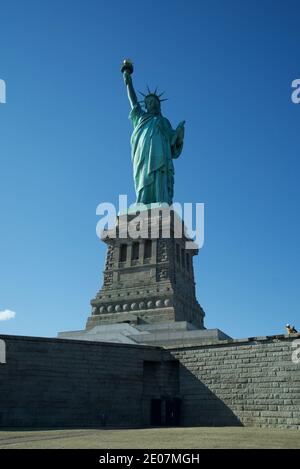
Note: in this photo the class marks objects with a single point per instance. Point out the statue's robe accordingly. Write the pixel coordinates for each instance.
(153, 146)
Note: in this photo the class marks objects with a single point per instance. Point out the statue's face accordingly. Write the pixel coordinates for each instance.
(152, 105)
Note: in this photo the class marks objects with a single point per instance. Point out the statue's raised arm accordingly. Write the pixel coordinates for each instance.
(127, 69)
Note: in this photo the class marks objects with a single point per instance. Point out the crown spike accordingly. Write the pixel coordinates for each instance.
(143, 94)
(149, 90)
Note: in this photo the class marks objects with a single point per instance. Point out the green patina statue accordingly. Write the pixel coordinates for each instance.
(154, 144)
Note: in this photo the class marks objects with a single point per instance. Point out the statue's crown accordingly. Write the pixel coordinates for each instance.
(154, 94)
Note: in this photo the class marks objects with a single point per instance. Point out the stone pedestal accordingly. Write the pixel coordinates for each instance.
(148, 275)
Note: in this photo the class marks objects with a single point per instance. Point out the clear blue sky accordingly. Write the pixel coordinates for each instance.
(227, 68)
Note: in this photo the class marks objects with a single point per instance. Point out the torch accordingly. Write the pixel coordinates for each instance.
(126, 69)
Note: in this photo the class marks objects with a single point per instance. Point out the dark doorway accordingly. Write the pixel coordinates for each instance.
(173, 412)
(155, 412)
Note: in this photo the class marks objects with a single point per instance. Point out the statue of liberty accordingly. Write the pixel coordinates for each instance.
(154, 144)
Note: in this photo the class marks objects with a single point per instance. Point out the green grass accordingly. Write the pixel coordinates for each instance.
(150, 438)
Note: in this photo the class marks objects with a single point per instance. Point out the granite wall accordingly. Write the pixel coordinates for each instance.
(243, 382)
(55, 382)
(58, 382)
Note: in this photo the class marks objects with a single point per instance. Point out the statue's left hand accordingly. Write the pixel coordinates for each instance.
(180, 131)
